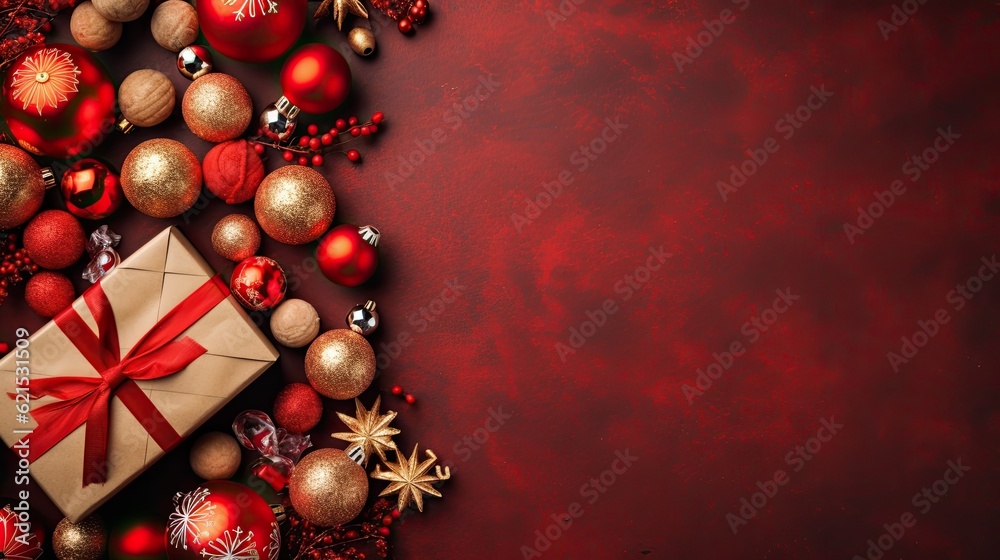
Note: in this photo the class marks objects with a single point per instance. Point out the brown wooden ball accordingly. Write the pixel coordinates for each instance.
(175, 25)
(93, 31)
(121, 10)
(146, 97)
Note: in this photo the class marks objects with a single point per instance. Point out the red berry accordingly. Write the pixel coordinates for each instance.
(341, 124)
(397, 390)
(4, 347)
(396, 514)
(287, 155)
(410, 399)
(372, 128)
(303, 141)
(352, 534)
(326, 139)
(259, 148)
(352, 121)
(384, 531)
(420, 4)
(355, 131)
(313, 130)
(405, 26)
(353, 155)
(317, 160)
(365, 131)
(314, 144)
(303, 160)
(387, 520)
(377, 117)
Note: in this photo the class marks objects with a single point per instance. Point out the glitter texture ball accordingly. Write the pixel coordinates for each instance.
(85, 540)
(21, 186)
(294, 205)
(161, 178)
(328, 488)
(216, 107)
(298, 408)
(258, 283)
(295, 323)
(54, 239)
(48, 293)
(215, 456)
(340, 364)
(236, 237)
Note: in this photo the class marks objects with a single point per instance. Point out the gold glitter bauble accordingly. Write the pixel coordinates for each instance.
(328, 488)
(340, 364)
(85, 540)
(216, 107)
(294, 204)
(236, 237)
(161, 178)
(21, 186)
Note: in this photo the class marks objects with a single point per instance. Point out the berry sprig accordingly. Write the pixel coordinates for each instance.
(26, 22)
(14, 261)
(309, 148)
(306, 541)
(399, 392)
(406, 13)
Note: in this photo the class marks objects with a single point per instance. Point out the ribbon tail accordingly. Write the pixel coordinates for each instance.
(95, 449)
(59, 420)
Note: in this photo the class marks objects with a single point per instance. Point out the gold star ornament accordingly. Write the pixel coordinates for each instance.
(409, 478)
(370, 431)
(340, 9)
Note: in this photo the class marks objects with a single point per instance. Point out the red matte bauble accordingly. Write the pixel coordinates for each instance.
(298, 408)
(54, 239)
(222, 520)
(58, 100)
(316, 78)
(138, 538)
(252, 30)
(346, 257)
(258, 283)
(91, 190)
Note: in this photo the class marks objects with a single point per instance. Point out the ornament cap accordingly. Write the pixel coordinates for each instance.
(371, 235)
(48, 177)
(124, 126)
(370, 305)
(286, 107)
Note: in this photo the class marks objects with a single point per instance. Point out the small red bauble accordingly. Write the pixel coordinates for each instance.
(54, 239)
(91, 190)
(48, 293)
(316, 78)
(348, 255)
(17, 543)
(298, 408)
(252, 30)
(58, 100)
(233, 171)
(137, 538)
(258, 283)
(222, 519)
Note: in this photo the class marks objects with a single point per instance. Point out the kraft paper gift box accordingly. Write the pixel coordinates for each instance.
(144, 293)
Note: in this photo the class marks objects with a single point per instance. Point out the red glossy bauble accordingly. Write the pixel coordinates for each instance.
(258, 283)
(58, 100)
(252, 30)
(316, 78)
(15, 542)
(348, 255)
(91, 190)
(137, 538)
(222, 520)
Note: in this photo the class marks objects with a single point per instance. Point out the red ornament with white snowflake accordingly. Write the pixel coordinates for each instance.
(15, 543)
(252, 30)
(258, 283)
(58, 100)
(222, 520)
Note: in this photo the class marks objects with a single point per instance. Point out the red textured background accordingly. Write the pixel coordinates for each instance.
(495, 346)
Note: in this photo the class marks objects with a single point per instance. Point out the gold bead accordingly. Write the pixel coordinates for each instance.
(294, 204)
(85, 540)
(161, 178)
(362, 40)
(327, 488)
(146, 97)
(216, 107)
(22, 188)
(340, 364)
(236, 237)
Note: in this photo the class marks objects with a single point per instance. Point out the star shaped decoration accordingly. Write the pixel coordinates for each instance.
(409, 478)
(370, 431)
(340, 9)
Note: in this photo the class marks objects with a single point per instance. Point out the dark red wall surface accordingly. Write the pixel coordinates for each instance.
(541, 263)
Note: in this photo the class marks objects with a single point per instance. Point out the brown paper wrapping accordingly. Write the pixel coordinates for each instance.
(141, 289)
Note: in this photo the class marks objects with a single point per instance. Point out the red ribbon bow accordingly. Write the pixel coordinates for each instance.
(86, 399)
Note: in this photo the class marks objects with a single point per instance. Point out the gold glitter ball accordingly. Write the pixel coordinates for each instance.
(161, 178)
(294, 204)
(236, 237)
(340, 364)
(328, 488)
(85, 540)
(216, 107)
(22, 188)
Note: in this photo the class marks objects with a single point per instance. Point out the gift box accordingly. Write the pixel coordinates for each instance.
(138, 362)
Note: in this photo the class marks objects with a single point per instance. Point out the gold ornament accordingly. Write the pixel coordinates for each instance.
(216, 107)
(174, 25)
(328, 488)
(340, 8)
(92, 30)
(340, 364)
(161, 178)
(370, 431)
(146, 97)
(236, 237)
(294, 204)
(85, 540)
(409, 478)
(22, 186)
(362, 40)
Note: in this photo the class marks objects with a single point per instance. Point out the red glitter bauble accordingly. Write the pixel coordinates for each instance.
(316, 78)
(254, 30)
(298, 408)
(54, 239)
(347, 254)
(222, 519)
(91, 190)
(258, 283)
(48, 293)
(58, 100)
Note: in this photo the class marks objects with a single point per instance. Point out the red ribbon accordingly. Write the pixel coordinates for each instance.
(86, 399)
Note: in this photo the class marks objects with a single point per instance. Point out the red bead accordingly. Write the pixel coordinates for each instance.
(377, 117)
(397, 390)
(313, 130)
(352, 121)
(303, 160)
(326, 139)
(287, 155)
(4, 347)
(355, 132)
(353, 155)
(317, 160)
(341, 125)
(405, 26)
(410, 399)
(314, 144)
(259, 148)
